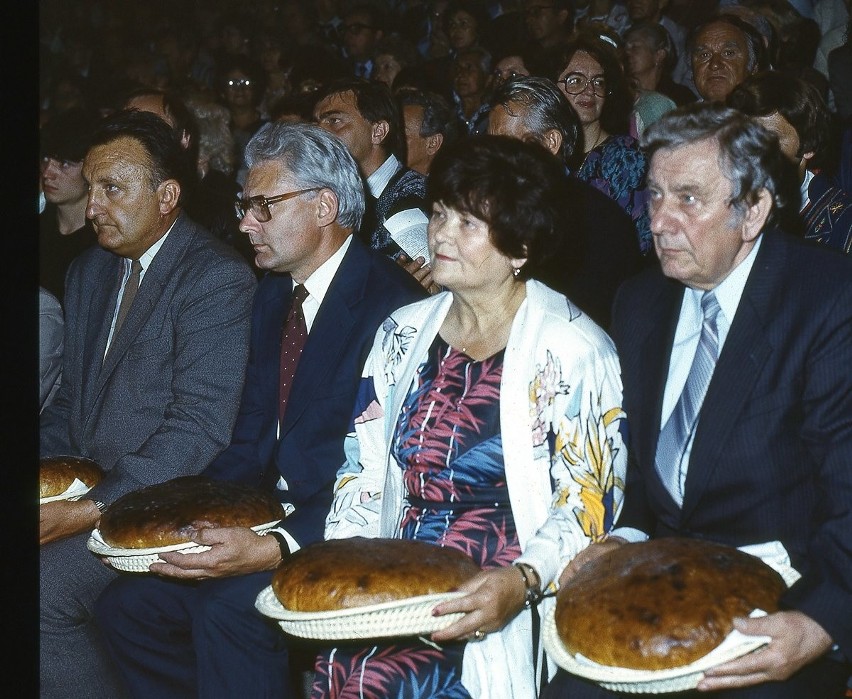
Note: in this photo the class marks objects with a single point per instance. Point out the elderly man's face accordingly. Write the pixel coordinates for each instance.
(127, 211)
(719, 60)
(418, 156)
(698, 236)
(338, 114)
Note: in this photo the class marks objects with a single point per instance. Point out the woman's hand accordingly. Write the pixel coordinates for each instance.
(494, 597)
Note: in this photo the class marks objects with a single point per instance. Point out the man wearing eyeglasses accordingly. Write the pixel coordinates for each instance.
(302, 201)
(361, 30)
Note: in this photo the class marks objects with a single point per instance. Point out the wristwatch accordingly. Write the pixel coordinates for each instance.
(100, 505)
(533, 594)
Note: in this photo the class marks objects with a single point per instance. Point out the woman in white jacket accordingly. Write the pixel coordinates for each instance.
(489, 421)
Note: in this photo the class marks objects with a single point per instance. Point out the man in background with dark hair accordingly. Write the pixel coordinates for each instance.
(795, 111)
(365, 116)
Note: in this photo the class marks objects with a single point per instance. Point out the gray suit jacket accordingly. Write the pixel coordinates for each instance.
(163, 403)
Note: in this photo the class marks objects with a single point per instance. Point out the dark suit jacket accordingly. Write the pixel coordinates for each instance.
(599, 250)
(164, 402)
(772, 456)
(366, 288)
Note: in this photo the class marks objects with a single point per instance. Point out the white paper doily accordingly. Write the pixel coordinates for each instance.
(408, 617)
(139, 560)
(646, 681)
(76, 490)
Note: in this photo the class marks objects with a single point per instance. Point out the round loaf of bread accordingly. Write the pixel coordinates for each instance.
(663, 603)
(168, 513)
(57, 473)
(358, 572)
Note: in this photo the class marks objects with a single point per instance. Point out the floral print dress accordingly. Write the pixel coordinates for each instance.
(449, 446)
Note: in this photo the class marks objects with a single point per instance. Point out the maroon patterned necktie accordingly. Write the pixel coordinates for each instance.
(293, 338)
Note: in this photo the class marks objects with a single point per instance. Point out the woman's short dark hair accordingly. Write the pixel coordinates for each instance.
(615, 116)
(514, 186)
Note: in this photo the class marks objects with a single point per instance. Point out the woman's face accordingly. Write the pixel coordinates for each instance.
(239, 91)
(587, 104)
(463, 256)
(461, 30)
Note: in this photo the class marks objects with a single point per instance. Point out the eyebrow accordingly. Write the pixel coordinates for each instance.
(328, 113)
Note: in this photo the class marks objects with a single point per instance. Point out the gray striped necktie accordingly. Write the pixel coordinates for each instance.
(681, 424)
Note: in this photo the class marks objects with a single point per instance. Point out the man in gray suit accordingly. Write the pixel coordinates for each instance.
(157, 332)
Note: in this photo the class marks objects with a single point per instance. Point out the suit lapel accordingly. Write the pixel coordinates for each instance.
(744, 353)
(328, 337)
(104, 291)
(159, 272)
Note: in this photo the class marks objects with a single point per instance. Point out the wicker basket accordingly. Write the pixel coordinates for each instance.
(139, 560)
(645, 681)
(409, 617)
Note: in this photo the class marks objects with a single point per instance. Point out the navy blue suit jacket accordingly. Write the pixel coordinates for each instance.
(772, 456)
(365, 289)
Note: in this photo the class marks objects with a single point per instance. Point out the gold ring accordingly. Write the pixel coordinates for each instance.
(479, 634)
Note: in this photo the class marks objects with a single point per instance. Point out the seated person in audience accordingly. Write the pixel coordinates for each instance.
(597, 248)
(592, 78)
(393, 54)
(470, 70)
(429, 125)
(64, 230)
(735, 357)
(366, 117)
(723, 51)
(796, 113)
(157, 320)
(192, 629)
(50, 340)
(650, 56)
(485, 480)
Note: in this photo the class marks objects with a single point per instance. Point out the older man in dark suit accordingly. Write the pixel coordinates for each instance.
(738, 392)
(304, 198)
(156, 344)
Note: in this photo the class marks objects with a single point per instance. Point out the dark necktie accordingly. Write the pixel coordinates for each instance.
(130, 289)
(293, 338)
(681, 424)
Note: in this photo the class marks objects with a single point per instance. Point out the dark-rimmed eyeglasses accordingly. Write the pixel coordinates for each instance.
(242, 82)
(575, 83)
(259, 204)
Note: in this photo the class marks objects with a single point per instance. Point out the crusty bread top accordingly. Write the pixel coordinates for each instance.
(357, 572)
(168, 513)
(57, 473)
(663, 603)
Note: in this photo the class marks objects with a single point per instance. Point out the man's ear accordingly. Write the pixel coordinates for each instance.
(553, 141)
(380, 131)
(756, 216)
(169, 196)
(327, 206)
(434, 143)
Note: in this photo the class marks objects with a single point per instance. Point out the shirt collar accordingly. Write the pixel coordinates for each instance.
(147, 257)
(377, 182)
(317, 284)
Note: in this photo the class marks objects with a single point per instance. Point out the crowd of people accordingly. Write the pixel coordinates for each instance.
(529, 279)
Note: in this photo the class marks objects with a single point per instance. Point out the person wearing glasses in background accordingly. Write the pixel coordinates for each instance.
(593, 80)
(362, 29)
(243, 85)
(302, 201)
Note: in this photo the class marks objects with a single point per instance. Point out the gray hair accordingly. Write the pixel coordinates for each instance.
(545, 108)
(749, 156)
(315, 158)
